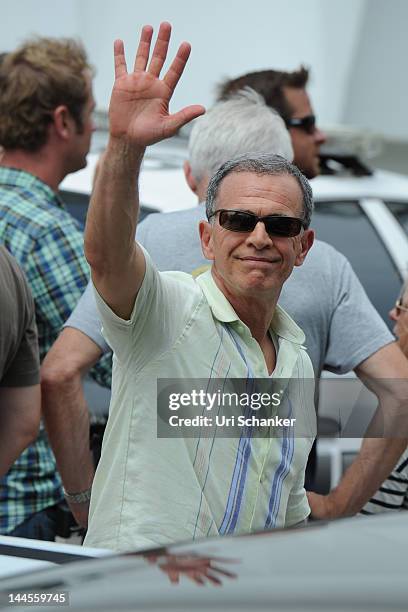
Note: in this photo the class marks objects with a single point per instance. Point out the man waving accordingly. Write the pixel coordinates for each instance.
(224, 325)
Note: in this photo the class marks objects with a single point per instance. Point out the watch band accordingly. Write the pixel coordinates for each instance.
(78, 498)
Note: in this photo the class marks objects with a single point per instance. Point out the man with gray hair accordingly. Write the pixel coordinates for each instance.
(224, 325)
(242, 123)
(324, 296)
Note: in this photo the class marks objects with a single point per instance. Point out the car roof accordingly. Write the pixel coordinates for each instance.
(163, 186)
(353, 564)
(381, 184)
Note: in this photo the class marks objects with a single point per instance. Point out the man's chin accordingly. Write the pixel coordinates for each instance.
(79, 165)
(316, 170)
(258, 284)
(313, 169)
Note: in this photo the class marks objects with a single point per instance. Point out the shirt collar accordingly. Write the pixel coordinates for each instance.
(282, 324)
(14, 177)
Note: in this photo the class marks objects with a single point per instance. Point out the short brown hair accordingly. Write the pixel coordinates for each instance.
(270, 84)
(36, 78)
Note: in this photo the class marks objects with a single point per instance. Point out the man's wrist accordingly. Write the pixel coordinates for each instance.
(127, 151)
(336, 506)
(82, 497)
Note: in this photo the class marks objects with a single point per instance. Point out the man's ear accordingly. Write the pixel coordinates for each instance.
(191, 182)
(306, 243)
(206, 237)
(62, 121)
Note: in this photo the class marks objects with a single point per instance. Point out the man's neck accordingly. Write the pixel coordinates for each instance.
(41, 164)
(255, 311)
(255, 314)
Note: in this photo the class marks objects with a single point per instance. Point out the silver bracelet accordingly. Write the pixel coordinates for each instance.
(78, 498)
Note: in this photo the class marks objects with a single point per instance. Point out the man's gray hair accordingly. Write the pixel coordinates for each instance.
(274, 165)
(232, 127)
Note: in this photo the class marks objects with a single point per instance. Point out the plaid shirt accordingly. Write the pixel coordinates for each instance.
(48, 244)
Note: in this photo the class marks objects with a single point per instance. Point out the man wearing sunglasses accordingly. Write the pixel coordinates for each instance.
(226, 325)
(286, 93)
(343, 330)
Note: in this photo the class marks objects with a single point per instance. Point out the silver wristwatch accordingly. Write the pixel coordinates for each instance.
(78, 498)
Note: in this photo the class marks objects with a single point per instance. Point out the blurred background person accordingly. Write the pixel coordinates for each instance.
(46, 106)
(286, 92)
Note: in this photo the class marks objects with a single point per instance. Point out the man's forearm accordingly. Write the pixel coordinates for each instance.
(19, 422)
(116, 261)
(66, 413)
(375, 461)
(385, 373)
(113, 210)
(12, 444)
(67, 423)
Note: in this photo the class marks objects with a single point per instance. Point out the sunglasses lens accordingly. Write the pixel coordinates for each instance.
(283, 226)
(307, 124)
(236, 221)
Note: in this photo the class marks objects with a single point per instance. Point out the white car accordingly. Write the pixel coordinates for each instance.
(352, 565)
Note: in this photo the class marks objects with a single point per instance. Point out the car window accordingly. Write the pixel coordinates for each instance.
(400, 212)
(345, 226)
(77, 205)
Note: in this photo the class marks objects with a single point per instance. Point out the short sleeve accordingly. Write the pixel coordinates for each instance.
(366, 331)
(298, 508)
(164, 305)
(85, 317)
(24, 370)
(22, 367)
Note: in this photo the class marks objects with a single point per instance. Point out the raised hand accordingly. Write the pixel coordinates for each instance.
(139, 106)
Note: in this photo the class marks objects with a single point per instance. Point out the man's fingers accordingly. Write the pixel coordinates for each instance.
(213, 579)
(143, 49)
(119, 57)
(177, 66)
(160, 49)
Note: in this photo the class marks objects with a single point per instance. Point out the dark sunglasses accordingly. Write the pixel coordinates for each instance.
(240, 221)
(307, 124)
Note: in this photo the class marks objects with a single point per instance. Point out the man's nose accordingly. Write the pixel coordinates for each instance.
(320, 136)
(259, 237)
(393, 314)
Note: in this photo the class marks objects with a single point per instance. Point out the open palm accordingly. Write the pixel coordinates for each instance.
(139, 106)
